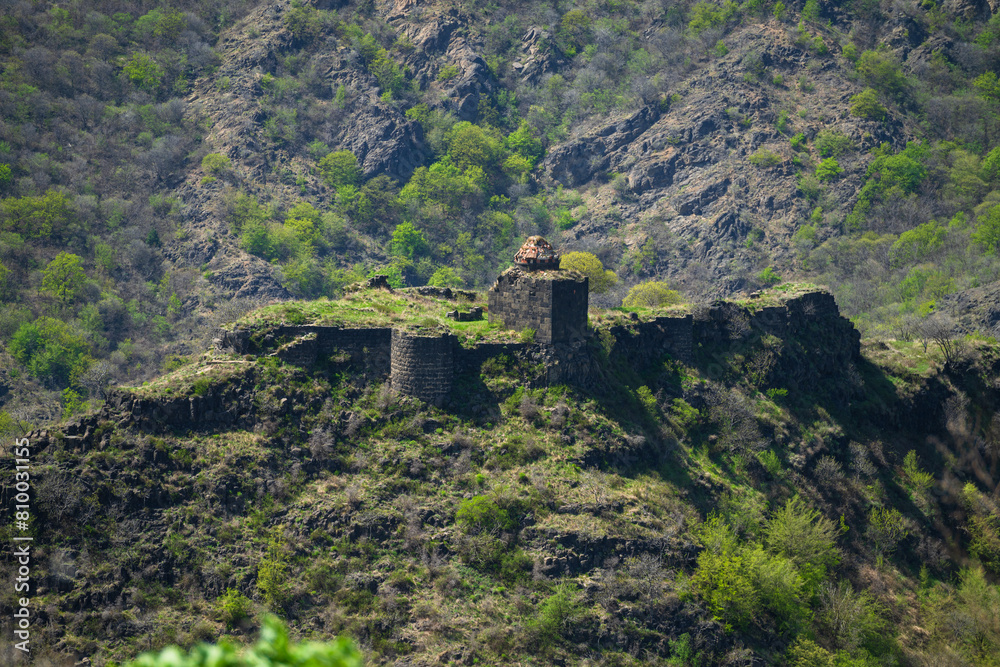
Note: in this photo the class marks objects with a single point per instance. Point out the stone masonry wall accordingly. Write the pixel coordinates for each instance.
(646, 342)
(423, 366)
(555, 307)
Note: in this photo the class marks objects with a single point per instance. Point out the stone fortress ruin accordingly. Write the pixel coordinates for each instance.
(534, 294)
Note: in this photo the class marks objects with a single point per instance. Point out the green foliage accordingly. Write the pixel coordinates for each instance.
(886, 528)
(340, 168)
(408, 241)
(481, 515)
(804, 536)
(600, 279)
(987, 232)
(917, 244)
(765, 158)
(810, 12)
(143, 71)
(233, 607)
(448, 72)
(828, 170)
(833, 143)
(216, 164)
(36, 216)
(705, 15)
(866, 105)
(807, 653)
(890, 176)
(881, 70)
(651, 294)
(525, 142)
(916, 479)
(445, 277)
(743, 583)
(556, 613)
(527, 336)
(983, 524)
(272, 572)
(274, 649)
(303, 21)
(768, 277)
(64, 277)
(50, 350)
(647, 399)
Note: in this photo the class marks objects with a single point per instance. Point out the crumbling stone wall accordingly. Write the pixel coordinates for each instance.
(423, 366)
(555, 306)
(646, 342)
(366, 350)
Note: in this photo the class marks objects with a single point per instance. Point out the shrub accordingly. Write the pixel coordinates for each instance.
(445, 277)
(805, 537)
(555, 613)
(273, 649)
(651, 294)
(481, 514)
(765, 158)
(233, 607)
(866, 105)
(340, 168)
(600, 280)
(886, 528)
(768, 277)
(832, 143)
(828, 169)
(216, 164)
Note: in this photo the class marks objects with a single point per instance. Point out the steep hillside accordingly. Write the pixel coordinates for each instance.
(748, 505)
(164, 168)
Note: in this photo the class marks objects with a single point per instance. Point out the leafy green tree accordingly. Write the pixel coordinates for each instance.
(651, 294)
(917, 244)
(886, 528)
(988, 86)
(144, 72)
(64, 277)
(525, 142)
(274, 649)
(408, 241)
(340, 168)
(600, 279)
(881, 70)
(480, 514)
(303, 222)
(50, 350)
(987, 233)
(472, 146)
(866, 105)
(445, 277)
(804, 536)
(165, 25)
(39, 216)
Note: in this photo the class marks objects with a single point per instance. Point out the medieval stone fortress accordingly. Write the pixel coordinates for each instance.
(541, 314)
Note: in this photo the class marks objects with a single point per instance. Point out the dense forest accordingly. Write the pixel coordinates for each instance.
(166, 169)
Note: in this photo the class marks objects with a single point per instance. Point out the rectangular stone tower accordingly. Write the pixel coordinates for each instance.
(554, 303)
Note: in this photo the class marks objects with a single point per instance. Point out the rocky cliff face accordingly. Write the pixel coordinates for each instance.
(686, 193)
